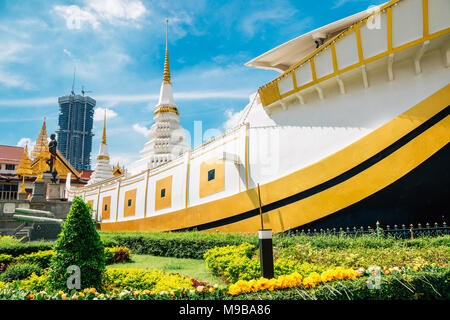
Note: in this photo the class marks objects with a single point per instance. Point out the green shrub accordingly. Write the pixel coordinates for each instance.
(79, 244)
(17, 248)
(175, 244)
(40, 258)
(233, 263)
(35, 283)
(356, 257)
(20, 271)
(117, 255)
(6, 258)
(140, 279)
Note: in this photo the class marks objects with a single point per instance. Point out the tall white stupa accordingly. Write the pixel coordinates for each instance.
(103, 169)
(167, 136)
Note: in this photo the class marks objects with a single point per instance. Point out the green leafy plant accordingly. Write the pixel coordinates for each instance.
(6, 258)
(139, 279)
(78, 245)
(40, 258)
(20, 271)
(117, 255)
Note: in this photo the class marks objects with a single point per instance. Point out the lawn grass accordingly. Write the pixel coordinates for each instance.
(192, 268)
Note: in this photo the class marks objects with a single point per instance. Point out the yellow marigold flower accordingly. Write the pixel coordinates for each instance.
(211, 290)
(81, 294)
(234, 289)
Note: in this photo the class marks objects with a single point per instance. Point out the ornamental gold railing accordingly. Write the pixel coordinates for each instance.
(331, 58)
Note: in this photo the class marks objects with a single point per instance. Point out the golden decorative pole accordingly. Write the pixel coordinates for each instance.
(166, 76)
(24, 168)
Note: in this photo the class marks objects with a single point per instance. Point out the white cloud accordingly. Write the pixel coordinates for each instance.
(340, 3)
(117, 9)
(26, 141)
(123, 159)
(13, 52)
(232, 118)
(97, 12)
(253, 21)
(99, 114)
(77, 17)
(68, 53)
(141, 129)
(13, 80)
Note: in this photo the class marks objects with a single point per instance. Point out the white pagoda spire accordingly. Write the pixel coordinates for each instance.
(167, 136)
(103, 169)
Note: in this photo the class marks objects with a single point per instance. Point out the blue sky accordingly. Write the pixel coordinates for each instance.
(118, 47)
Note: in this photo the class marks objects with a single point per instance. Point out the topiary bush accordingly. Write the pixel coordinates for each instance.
(78, 245)
(20, 271)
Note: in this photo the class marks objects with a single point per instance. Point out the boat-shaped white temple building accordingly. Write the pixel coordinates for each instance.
(355, 129)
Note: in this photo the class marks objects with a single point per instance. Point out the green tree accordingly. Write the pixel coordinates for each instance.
(78, 245)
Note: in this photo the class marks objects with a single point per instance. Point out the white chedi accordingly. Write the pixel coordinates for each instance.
(103, 169)
(167, 138)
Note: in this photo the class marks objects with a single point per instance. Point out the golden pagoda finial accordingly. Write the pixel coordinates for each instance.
(41, 144)
(24, 168)
(104, 128)
(166, 76)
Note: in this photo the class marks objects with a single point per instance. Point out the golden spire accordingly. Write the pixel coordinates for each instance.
(41, 144)
(24, 168)
(104, 128)
(166, 76)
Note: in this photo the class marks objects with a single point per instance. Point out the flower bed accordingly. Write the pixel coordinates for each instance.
(425, 282)
(233, 263)
(121, 284)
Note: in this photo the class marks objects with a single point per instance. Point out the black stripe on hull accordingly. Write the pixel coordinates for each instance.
(420, 196)
(332, 182)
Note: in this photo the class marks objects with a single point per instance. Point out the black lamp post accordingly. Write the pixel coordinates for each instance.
(265, 246)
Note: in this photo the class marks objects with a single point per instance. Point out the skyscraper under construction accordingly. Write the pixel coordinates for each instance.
(75, 122)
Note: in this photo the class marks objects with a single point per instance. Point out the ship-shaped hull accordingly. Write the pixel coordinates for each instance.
(354, 132)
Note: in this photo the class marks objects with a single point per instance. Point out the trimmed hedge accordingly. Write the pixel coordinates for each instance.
(19, 248)
(195, 244)
(174, 244)
(424, 285)
(40, 258)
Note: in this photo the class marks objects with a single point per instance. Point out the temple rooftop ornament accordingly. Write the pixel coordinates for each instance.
(103, 169)
(41, 144)
(24, 168)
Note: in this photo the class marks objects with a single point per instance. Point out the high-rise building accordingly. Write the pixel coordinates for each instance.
(75, 129)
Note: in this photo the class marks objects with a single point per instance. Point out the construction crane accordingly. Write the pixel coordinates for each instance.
(83, 91)
(73, 81)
